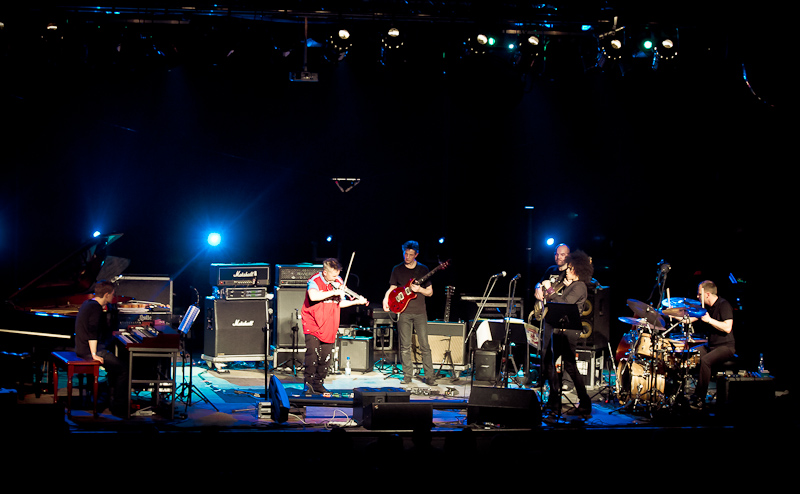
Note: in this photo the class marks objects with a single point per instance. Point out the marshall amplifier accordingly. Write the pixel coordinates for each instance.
(254, 274)
(296, 275)
(235, 327)
(242, 293)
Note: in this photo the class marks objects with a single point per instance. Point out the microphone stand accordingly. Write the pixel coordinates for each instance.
(512, 287)
(487, 292)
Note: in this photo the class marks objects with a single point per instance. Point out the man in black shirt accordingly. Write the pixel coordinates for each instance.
(414, 318)
(93, 338)
(718, 327)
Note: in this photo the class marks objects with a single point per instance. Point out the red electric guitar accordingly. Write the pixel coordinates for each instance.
(402, 295)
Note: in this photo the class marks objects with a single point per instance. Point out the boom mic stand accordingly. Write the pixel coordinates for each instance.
(507, 355)
(487, 292)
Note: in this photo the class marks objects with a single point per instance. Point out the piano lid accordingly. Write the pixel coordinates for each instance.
(74, 276)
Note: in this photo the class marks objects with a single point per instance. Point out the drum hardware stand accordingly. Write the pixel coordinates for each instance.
(612, 391)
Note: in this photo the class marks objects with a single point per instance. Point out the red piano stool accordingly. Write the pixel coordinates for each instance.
(75, 366)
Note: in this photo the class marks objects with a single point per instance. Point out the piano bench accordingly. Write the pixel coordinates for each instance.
(75, 366)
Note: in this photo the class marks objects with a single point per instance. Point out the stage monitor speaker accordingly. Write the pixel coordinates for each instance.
(487, 365)
(235, 327)
(596, 318)
(288, 324)
(742, 395)
(444, 337)
(360, 351)
(398, 416)
(505, 407)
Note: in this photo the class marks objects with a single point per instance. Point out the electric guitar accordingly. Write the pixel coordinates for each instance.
(402, 295)
(449, 292)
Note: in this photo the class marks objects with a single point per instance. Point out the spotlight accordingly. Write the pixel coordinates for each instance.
(214, 239)
(665, 53)
(344, 34)
(482, 39)
(533, 40)
(394, 32)
(550, 241)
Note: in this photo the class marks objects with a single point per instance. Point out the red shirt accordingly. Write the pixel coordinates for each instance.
(321, 319)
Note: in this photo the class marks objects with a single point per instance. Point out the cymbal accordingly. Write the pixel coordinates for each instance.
(638, 322)
(646, 311)
(683, 312)
(681, 302)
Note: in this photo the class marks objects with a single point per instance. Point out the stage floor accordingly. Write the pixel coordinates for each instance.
(225, 415)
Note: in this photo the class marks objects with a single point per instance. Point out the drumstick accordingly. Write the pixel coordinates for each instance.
(669, 300)
(702, 298)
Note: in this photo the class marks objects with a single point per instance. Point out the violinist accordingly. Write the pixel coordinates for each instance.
(325, 296)
(559, 343)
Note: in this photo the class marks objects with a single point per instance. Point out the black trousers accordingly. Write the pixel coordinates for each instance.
(709, 358)
(317, 360)
(562, 344)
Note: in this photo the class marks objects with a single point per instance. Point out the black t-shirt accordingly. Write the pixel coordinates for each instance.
(90, 324)
(400, 276)
(554, 275)
(721, 311)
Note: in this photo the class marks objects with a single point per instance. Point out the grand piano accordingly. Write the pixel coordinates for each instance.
(40, 317)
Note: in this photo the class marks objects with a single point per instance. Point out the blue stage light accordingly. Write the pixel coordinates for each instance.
(214, 239)
(550, 241)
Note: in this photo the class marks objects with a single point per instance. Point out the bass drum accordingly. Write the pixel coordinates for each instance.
(625, 347)
(637, 382)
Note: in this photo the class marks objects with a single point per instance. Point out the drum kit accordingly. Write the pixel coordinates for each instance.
(655, 361)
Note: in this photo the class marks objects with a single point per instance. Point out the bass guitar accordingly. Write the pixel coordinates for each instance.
(400, 296)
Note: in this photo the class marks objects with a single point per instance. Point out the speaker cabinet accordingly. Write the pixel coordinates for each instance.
(288, 324)
(444, 337)
(505, 407)
(487, 364)
(596, 318)
(360, 351)
(235, 327)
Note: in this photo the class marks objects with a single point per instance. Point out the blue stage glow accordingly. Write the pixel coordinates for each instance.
(550, 241)
(441, 240)
(96, 233)
(214, 239)
(329, 238)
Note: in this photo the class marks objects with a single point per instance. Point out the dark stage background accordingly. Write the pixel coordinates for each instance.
(633, 169)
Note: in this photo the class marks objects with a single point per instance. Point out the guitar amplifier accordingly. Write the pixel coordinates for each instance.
(253, 274)
(444, 337)
(235, 327)
(296, 275)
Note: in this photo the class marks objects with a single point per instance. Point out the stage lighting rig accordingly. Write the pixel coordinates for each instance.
(346, 188)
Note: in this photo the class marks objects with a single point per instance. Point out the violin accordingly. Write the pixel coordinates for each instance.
(350, 293)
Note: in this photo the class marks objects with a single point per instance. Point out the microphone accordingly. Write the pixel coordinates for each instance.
(501, 274)
(515, 278)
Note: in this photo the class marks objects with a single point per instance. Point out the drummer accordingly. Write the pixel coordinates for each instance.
(718, 320)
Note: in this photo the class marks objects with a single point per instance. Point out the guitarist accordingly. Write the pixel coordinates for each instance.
(415, 316)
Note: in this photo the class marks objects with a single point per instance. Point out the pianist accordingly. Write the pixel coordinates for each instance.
(93, 337)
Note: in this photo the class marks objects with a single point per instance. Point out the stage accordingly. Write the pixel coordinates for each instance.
(227, 417)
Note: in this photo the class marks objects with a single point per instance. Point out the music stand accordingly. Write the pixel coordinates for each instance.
(565, 317)
(183, 330)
